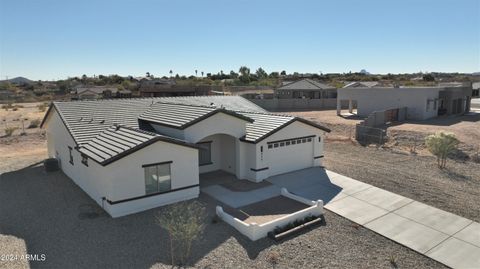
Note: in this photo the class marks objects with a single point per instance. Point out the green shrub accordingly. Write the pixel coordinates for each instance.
(440, 145)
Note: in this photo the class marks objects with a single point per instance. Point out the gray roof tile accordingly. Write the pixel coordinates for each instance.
(305, 84)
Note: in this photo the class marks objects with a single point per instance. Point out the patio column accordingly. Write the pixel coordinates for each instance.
(350, 106)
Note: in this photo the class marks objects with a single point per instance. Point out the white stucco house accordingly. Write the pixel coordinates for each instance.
(131, 155)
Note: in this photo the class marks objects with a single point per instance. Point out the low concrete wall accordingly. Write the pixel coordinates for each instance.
(256, 231)
(297, 104)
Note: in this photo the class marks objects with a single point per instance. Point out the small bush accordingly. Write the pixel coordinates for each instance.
(273, 257)
(9, 131)
(42, 107)
(441, 144)
(15, 109)
(34, 124)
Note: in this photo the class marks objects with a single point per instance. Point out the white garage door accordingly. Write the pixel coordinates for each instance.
(290, 155)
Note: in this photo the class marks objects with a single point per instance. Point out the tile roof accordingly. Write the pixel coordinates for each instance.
(118, 141)
(368, 84)
(183, 115)
(305, 84)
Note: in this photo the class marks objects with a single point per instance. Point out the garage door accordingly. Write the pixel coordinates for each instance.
(290, 155)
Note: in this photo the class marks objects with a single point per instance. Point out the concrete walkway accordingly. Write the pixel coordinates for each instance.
(440, 235)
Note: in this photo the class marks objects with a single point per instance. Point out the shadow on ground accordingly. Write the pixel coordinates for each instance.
(56, 218)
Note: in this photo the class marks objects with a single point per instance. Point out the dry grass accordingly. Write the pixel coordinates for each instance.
(26, 113)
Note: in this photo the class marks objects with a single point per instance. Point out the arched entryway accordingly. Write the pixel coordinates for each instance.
(217, 152)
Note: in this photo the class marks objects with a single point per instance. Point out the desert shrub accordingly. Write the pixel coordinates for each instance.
(9, 131)
(184, 222)
(34, 124)
(42, 107)
(440, 145)
(7, 106)
(273, 257)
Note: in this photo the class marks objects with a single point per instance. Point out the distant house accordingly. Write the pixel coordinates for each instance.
(99, 92)
(364, 84)
(168, 88)
(305, 88)
(475, 89)
(420, 102)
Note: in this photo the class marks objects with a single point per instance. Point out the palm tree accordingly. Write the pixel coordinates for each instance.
(171, 72)
(196, 72)
(148, 74)
(202, 74)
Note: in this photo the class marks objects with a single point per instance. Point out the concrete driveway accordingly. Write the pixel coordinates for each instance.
(440, 235)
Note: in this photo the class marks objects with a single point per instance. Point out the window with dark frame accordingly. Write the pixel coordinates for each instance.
(270, 146)
(275, 145)
(294, 142)
(309, 139)
(282, 144)
(204, 153)
(287, 143)
(304, 140)
(157, 178)
(71, 156)
(85, 159)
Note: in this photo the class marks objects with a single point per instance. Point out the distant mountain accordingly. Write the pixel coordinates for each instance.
(18, 80)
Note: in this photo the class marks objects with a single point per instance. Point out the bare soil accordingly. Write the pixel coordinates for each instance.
(21, 117)
(409, 135)
(267, 210)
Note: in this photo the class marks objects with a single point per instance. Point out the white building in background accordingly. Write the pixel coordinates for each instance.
(130, 155)
(421, 102)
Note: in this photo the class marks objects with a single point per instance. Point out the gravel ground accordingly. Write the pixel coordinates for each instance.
(455, 189)
(41, 215)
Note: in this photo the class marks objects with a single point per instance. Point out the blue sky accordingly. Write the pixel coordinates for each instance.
(54, 39)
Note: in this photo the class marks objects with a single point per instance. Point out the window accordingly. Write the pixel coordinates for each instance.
(299, 141)
(287, 143)
(304, 140)
(319, 139)
(204, 153)
(294, 142)
(309, 139)
(157, 178)
(71, 156)
(282, 144)
(275, 145)
(270, 146)
(85, 159)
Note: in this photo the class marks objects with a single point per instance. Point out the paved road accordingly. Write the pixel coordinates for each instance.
(440, 235)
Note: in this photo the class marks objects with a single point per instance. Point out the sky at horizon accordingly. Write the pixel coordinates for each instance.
(55, 39)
